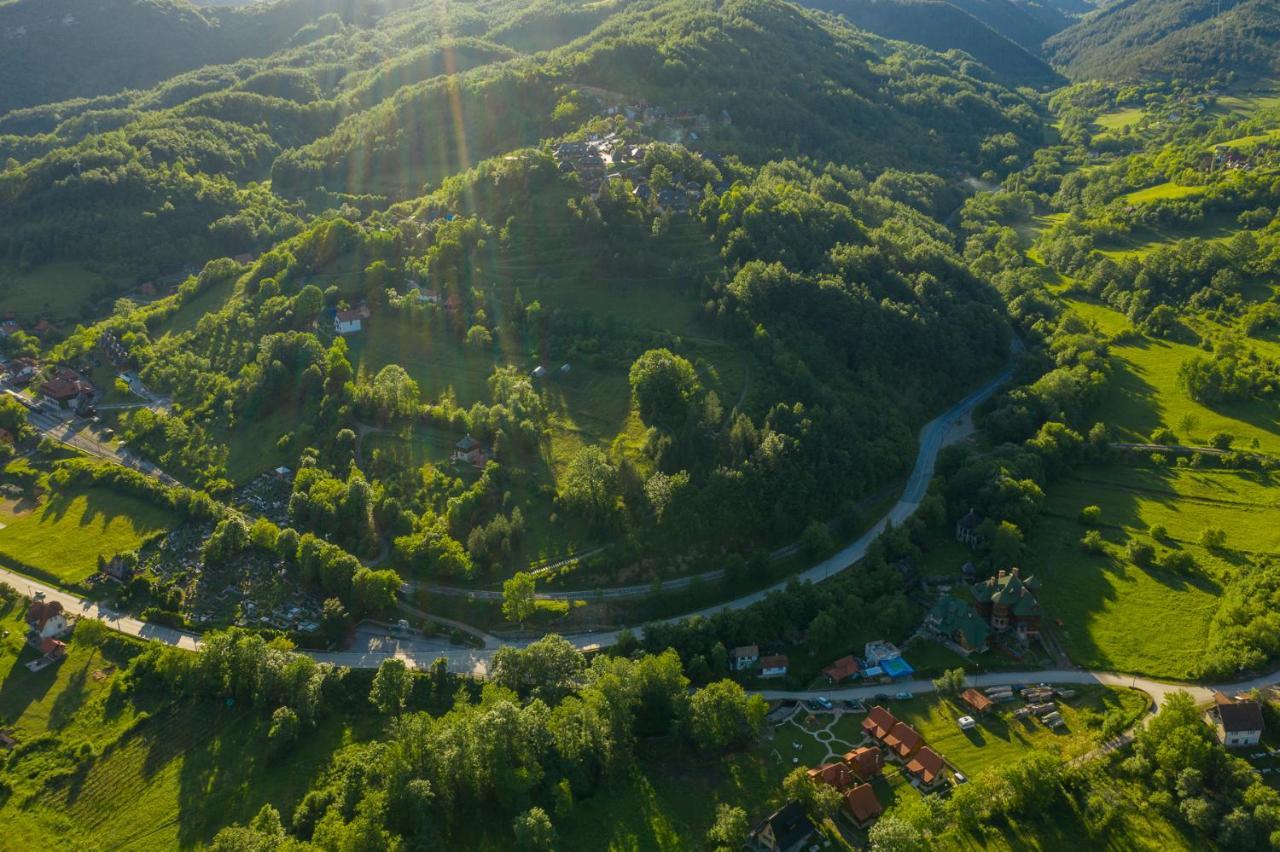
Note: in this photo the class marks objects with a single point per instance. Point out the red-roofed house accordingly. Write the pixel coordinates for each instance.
(866, 762)
(842, 669)
(979, 702)
(903, 740)
(46, 620)
(879, 723)
(926, 768)
(862, 805)
(835, 774)
(53, 649)
(775, 666)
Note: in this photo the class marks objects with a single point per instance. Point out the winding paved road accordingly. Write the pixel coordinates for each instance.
(955, 424)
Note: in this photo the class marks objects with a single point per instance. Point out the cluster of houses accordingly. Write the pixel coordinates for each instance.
(61, 387)
(10, 325)
(601, 159)
(746, 658)
(1230, 158)
(881, 661)
(886, 740)
(1003, 606)
(47, 625)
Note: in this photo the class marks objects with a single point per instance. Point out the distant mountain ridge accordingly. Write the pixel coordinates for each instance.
(53, 50)
(1161, 39)
(1004, 35)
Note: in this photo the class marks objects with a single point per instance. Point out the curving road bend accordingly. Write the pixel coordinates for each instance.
(953, 425)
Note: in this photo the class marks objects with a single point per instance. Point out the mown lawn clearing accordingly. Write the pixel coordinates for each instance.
(54, 291)
(63, 538)
(1000, 739)
(1145, 394)
(1162, 192)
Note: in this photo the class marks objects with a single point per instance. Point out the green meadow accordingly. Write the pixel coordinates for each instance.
(1145, 395)
(62, 538)
(1105, 602)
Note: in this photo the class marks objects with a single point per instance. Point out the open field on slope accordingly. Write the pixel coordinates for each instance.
(58, 292)
(1106, 603)
(62, 538)
(1162, 192)
(164, 782)
(1119, 119)
(1145, 394)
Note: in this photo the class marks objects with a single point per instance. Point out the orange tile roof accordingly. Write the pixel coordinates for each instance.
(903, 739)
(835, 774)
(843, 668)
(866, 762)
(977, 700)
(926, 765)
(862, 804)
(879, 722)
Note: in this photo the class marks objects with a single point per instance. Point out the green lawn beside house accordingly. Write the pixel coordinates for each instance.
(62, 538)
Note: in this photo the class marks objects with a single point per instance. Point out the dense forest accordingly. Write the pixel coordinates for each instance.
(1166, 39)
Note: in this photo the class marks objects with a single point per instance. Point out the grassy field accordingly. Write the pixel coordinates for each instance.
(1000, 738)
(1145, 394)
(63, 537)
(166, 778)
(1144, 240)
(55, 291)
(1162, 192)
(1105, 602)
(1120, 119)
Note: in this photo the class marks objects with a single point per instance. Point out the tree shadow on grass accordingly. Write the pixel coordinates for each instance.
(226, 776)
(72, 696)
(22, 688)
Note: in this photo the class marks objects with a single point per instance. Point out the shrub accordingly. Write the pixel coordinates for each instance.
(1093, 542)
(1091, 515)
(1213, 538)
(1140, 553)
(1164, 436)
(1159, 532)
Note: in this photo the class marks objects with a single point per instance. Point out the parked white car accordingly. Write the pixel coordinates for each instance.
(967, 723)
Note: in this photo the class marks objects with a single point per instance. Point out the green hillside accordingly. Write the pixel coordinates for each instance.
(1000, 35)
(1164, 39)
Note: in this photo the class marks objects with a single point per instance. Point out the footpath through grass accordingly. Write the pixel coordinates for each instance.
(62, 538)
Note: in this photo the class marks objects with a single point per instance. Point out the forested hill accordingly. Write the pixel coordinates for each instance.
(58, 49)
(998, 33)
(342, 114)
(1163, 39)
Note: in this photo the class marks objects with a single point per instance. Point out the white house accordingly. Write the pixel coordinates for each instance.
(744, 657)
(1237, 723)
(775, 666)
(46, 620)
(348, 322)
